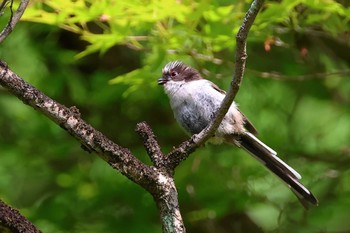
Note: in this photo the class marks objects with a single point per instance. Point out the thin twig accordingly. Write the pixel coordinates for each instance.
(13, 19)
(181, 152)
(3, 5)
(151, 144)
(299, 78)
(240, 61)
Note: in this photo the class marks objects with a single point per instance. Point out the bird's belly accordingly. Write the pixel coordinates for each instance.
(191, 121)
(194, 116)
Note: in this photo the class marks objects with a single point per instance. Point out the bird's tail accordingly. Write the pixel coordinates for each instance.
(269, 158)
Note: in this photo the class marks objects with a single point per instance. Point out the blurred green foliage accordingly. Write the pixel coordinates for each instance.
(105, 57)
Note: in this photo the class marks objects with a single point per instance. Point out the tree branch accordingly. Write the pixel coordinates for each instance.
(69, 119)
(13, 221)
(14, 18)
(185, 149)
(167, 200)
(168, 204)
(151, 144)
(158, 181)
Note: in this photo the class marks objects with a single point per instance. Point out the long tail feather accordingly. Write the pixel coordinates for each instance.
(269, 158)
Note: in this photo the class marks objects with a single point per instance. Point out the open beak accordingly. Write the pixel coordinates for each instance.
(163, 80)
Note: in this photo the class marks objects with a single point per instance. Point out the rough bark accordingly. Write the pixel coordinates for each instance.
(12, 220)
(157, 179)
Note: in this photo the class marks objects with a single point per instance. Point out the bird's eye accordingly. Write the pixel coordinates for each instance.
(173, 74)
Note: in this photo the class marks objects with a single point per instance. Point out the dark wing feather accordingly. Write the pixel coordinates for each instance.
(218, 89)
(247, 124)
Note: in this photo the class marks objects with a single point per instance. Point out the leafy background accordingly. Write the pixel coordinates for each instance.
(105, 57)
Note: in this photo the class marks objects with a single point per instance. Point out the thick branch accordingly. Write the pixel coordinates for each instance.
(181, 153)
(156, 180)
(13, 19)
(168, 205)
(69, 119)
(13, 221)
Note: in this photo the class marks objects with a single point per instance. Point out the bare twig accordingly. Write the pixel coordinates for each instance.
(181, 152)
(3, 5)
(151, 145)
(241, 57)
(299, 78)
(13, 19)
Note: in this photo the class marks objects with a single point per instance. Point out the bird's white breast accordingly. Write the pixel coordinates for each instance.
(194, 104)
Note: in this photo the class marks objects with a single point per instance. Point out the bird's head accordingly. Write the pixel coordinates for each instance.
(177, 71)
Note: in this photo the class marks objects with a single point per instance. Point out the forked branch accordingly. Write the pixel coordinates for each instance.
(14, 18)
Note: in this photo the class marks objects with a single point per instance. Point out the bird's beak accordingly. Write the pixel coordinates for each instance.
(163, 80)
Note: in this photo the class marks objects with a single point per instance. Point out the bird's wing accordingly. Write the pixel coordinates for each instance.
(217, 88)
(247, 124)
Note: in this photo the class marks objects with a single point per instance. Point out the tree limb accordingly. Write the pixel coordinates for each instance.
(14, 18)
(69, 119)
(151, 144)
(185, 149)
(12, 221)
(156, 180)
(167, 200)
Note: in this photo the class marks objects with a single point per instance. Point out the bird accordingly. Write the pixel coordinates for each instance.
(194, 101)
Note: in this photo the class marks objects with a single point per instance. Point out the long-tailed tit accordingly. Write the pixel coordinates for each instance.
(194, 101)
